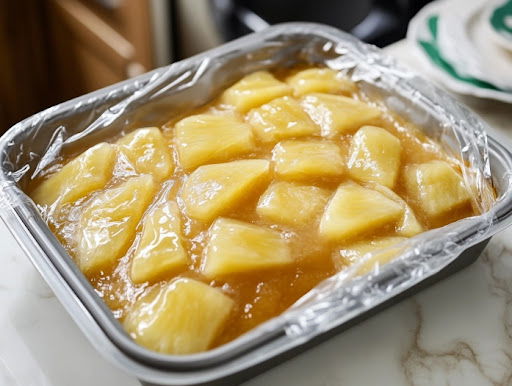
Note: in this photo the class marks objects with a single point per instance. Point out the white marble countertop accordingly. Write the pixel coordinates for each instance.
(457, 332)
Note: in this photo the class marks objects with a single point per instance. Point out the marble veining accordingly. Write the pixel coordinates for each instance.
(423, 365)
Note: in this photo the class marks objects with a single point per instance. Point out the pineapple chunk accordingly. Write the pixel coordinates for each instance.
(107, 225)
(160, 251)
(355, 210)
(375, 156)
(254, 90)
(436, 188)
(147, 150)
(322, 80)
(356, 252)
(282, 118)
(88, 172)
(292, 204)
(208, 138)
(337, 114)
(298, 160)
(409, 225)
(237, 247)
(212, 190)
(182, 317)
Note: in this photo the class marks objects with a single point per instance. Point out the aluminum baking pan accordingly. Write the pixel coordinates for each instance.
(37, 141)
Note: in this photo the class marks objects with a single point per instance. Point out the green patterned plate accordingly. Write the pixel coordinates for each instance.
(423, 35)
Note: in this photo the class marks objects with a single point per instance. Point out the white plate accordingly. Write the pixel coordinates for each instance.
(465, 39)
(428, 47)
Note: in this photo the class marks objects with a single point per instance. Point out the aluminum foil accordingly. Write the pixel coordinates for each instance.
(34, 145)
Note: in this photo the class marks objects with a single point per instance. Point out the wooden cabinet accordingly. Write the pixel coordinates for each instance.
(96, 45)
(54, 50)
(24, 78)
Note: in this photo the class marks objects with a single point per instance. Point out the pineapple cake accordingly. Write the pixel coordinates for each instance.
(196, 234)
(281, 118)
(208, 138)
(235, 246)
(323, 80)
(355, 210)
(436, 188)
(148, 151)
(160, 250)
(203, 312)
(254, 90)
(299, 159)
(375, 156)
(289, 203)
(338, 114)
(88, 172)
(212, 190)
(409, 225)
(108, 222)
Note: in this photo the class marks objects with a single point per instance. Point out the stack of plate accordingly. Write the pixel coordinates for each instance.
(467, 44)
